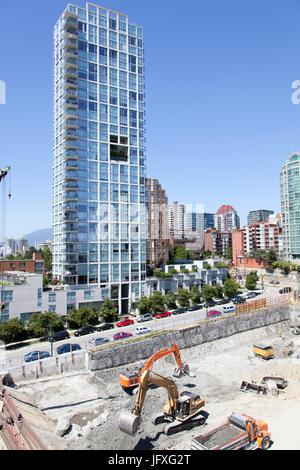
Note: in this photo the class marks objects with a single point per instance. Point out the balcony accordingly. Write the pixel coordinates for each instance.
(70, 72)
(70, 144)
(70, 53)
(70, 104)
(69, 113)
(70, 196)
(70, 133)
(70, 124)
(71, 84)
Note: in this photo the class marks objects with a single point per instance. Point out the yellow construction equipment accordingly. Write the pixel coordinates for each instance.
(182, 411)
(265, 352)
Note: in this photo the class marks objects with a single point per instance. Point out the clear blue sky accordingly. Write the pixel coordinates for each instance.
(219, 117)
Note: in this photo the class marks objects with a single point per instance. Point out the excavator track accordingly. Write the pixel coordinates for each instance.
(178, 426)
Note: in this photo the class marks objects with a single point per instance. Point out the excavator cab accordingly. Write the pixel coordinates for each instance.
(188, 404)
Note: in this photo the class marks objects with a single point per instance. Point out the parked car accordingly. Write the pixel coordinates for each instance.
(98, 341)
(194, 307)
(163, 314)
(68, 347)
(142, 329)
(59, 336)
(229, 309)
(180, 310)
(238, 300)
(85, 330)
(274, 282)
(125, 322)
(121, 335)
(105, 326)
(222, 301)
(209, 303)
(145, 317)
(213, 313)
(35, 355)
(285, 290)
(250, 295)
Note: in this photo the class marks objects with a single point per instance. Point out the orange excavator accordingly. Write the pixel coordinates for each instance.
(130, 378)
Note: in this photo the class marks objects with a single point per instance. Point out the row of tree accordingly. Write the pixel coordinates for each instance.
(41, 324)
(158, 302)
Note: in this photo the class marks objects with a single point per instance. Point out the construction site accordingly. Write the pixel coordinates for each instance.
(224, 376)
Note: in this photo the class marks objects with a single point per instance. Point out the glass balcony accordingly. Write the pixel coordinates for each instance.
(70, 53)
(70, 144)
(70, 72)
(70, 124)
(71, 104)
(70, 113)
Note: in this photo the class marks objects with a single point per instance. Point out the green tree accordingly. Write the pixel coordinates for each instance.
(85, 315)
(183, 297)
(39, 324)
(47, 257)
(12, 331)
(229, 253)
(143, 305)
(218, 292)
(195, 295)
(170, 300)
(207, 292)
(251, 280)
(230, 288)
(108, 311)
(156, 302)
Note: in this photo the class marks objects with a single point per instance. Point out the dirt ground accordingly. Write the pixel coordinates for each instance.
(84, 408)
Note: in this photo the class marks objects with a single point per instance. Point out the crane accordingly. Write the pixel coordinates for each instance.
(130, 379)
(182, 411)
(3, 174)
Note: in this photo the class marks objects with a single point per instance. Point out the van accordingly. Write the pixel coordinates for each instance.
(228, 309)
(213, 313)
(142, 329)
(265, 352)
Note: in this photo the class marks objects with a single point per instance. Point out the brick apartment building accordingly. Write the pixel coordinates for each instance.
(217, 241)
(36, 265)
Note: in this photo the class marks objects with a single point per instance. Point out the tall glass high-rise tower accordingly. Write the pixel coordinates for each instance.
(290, 207)
(99, 153)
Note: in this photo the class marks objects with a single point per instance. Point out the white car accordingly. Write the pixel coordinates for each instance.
(229, 309)
(142, 329)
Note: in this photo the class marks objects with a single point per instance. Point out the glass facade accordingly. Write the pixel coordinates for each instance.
(290, 207)
(99, 153)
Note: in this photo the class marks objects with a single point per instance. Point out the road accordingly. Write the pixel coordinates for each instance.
(15, 358)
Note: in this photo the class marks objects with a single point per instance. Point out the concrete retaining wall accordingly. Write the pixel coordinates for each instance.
(187, 337)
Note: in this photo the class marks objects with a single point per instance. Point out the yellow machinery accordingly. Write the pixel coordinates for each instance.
(182, 411)
(265, 352)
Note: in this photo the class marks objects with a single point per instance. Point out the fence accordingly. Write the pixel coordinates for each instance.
(263, 303)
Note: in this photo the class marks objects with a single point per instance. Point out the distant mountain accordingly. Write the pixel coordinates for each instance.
(38, 236)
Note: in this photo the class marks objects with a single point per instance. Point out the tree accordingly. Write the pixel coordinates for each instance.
(170, 300)
(39, 324)
(85, 315)
(12, 331)
(207, 292)
(108, 311)
(183, 297)
(156, 302)
(195, 295)
(251, 280)
(218, 292)
(47, 257)
(230, 288)
(143, 305)
(229, 253)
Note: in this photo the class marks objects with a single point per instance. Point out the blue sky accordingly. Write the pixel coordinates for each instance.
(220, 121)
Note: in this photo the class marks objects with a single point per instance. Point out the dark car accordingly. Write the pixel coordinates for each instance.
(285, 290)
(274, 282)
(65, 348)
(35, 355)
(238, 300)
(222, 302)
(178, 311)
(122, 335)
(85, 330)
(194, 307)
(98, 341)
(209, 303)
(145, 317)
(59, 335)
(105, 326)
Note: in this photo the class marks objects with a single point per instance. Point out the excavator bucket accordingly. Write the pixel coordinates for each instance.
(129, 423)
(179, 371)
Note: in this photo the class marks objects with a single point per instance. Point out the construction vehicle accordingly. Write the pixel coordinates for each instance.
(265, 352)
(239, 432)
(130, 378)
(182, 411)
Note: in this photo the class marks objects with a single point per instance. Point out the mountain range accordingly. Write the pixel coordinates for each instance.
(40, 235)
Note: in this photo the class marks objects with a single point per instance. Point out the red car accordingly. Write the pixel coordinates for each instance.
(122, 335)
(125, 322)
(163, 315)
(213, 313)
